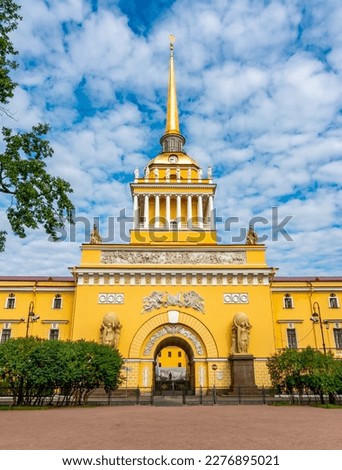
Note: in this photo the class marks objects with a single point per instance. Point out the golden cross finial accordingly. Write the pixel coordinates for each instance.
(172, 41)
(172, 125)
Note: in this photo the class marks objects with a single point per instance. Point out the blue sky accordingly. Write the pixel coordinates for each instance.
(260, 96)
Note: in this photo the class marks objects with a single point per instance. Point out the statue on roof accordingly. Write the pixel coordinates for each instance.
(95, 237)
(252, 237)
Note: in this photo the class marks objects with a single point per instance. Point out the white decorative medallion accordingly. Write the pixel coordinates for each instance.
(236, 298)
(111, 298)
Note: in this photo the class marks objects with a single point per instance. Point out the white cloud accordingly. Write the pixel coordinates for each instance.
(259, 88)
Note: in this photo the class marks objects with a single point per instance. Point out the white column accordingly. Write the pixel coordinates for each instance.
(146, 211)
(156, 210)
(168, 212)
(135, 211)
(179, 211)
(189, 212)
(211, 213)
(200, 211)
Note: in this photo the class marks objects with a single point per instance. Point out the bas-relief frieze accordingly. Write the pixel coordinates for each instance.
(172, 257)
(159, 299)
(173, 330)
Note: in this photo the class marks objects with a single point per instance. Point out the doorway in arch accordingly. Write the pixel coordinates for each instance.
(174, 371)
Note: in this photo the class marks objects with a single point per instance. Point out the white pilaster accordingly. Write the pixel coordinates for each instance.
(156, 210)
(135, 211)
(189, 212)
(211, 220)
(146, 211)
(200, 211)
(179, 211)
(168, 212)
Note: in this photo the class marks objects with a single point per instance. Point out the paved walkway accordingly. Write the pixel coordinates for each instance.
(194, 427)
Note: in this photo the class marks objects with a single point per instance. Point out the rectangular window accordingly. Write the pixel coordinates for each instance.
(57, 302)
(291, 338)
(169, 354)
(179, 353)
(159, 364)
(10, 302)
(179, 364)
(5, 334)
(338, 337)
(288, 301)
(54, 333)
(333, 303)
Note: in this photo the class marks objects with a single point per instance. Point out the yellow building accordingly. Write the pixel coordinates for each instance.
(173, 297)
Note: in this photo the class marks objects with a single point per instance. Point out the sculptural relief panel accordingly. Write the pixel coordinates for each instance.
(172, 257)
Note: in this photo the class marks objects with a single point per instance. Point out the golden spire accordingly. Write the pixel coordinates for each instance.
(172, 124)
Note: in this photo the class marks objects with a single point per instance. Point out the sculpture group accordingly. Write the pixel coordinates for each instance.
(159, 299)
(240, 334)
(110, 330)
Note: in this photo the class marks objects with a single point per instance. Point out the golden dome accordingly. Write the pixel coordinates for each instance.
(173, 158)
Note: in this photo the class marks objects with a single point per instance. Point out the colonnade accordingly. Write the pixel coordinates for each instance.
(162, 208)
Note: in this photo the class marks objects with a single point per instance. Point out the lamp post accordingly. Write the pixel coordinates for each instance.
(317, 318)
(214, 368)
(31, 318)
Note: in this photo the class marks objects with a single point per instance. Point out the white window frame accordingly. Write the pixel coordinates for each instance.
(335, 334)
(333, 296)
(295, 336)
(53, 328)
(288, 296)
(11, 297)
(57, 298)
(2, 332)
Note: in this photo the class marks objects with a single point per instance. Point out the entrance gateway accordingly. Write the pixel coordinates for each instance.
(176, 351)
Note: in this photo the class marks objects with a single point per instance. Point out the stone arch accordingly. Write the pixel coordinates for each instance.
(172, 317)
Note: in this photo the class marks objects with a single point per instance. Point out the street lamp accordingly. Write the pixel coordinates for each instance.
(214, 368)
(31, 317)
(316, 318)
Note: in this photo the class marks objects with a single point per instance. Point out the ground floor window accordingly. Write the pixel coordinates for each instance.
(338, 337)
(291, 338)
(54, 333)
(5, 334)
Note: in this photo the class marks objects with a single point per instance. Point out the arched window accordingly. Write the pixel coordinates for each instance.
(10, 302)
(333, 301)
(57, 301)
(288, 301)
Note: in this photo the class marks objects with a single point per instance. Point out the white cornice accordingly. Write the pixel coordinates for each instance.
(32, 288)
(332, 288)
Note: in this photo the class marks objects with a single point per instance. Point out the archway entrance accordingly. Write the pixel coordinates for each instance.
(174, 371)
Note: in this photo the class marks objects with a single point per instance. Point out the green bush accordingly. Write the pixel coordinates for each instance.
(306, 371)
(37, 371)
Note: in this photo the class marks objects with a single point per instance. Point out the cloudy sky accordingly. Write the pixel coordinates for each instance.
(260, 95)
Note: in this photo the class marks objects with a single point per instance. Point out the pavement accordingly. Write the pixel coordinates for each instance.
(234, 427)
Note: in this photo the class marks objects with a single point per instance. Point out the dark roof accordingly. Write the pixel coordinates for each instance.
(307, 279)
(38, 278)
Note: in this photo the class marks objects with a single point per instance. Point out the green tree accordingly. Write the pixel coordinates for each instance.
(9, 17)
(35, 198)
(35, 371)
(306, 371)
